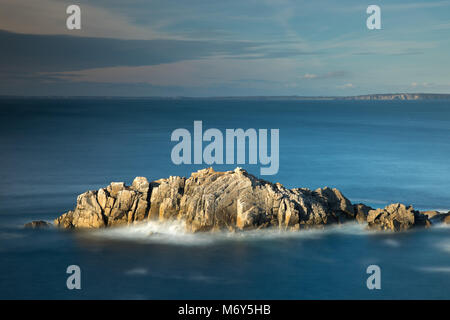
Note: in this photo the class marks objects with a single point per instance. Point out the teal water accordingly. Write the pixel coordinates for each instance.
(374, 152)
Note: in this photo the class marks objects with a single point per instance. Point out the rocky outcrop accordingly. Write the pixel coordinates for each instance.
(396, 217)
(231, 200)
(207, 201)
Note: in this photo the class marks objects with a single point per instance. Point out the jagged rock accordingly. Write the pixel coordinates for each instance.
(37, 224)
(114, 188)
(88, 213)
(342, 209)
(140, 184)
(207, 201)
(396, 217)
(165, 198)
(361, 212)
(114, 205)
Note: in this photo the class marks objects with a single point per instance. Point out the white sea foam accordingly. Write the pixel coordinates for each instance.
(189, 276)
(10, 235)
(175, 233)
(392, 243)
(435, 269)
(444, 246)
(441, 225)
(153, 232)
(137, 272)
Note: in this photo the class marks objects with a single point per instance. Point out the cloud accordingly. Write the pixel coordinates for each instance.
(441, 26)
(204, 72)
(49, 17)
(58, 53)
(310, 76)
(329, 75)
(422, 85)
(167, 47)
(416, 5)
(389, 7)
(397, 53)
(378, 45)
(346, 86)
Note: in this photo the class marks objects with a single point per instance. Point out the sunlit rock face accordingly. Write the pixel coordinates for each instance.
(396, 217)
(114, 205)
(231, 200)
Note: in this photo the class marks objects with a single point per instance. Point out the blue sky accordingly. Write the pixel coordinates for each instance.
(223, 48)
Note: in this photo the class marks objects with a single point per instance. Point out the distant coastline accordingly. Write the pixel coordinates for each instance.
(367, 97)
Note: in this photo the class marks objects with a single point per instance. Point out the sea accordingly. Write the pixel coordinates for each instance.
(375, 152)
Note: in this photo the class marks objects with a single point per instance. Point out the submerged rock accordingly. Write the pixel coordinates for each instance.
(39, 224)
(436, 216)
(396, 217)
(231, 200)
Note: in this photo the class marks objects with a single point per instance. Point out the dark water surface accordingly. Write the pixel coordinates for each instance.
(374, 152)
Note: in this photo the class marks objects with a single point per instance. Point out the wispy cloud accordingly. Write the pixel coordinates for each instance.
(49, 17)
(186, 48)
(30, 53)
(329, 75)
(416, 5)
(346, 86)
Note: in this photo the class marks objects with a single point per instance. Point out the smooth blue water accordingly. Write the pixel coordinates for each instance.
(374, 152)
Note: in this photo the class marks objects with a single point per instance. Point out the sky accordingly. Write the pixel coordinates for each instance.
(203, 48)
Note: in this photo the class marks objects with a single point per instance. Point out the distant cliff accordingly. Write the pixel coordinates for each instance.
(382, 96)
(399, 96)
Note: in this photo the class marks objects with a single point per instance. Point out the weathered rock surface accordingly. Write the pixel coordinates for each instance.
(396, 217)
(37, 224)
(232, 200)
